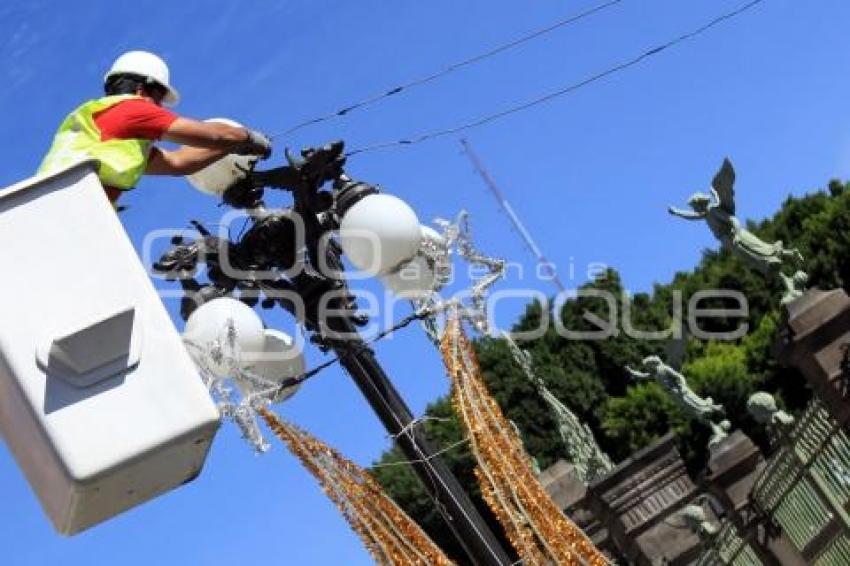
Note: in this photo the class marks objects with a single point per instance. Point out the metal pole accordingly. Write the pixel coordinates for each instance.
(469, 528)
(255, 249)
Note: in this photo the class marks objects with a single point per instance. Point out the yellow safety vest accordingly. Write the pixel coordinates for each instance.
(121, 162)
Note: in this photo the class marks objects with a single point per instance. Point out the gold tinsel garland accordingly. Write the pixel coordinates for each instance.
(536, 527)
(390, 535)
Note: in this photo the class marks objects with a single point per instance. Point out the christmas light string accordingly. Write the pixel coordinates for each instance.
(536, 527)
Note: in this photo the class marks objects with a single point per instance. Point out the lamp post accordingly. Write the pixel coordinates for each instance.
(267, 247)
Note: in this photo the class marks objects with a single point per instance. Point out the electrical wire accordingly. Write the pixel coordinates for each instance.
(423, 460)
(446, 71)
(416, 422)
(560, 92)
(298, 379)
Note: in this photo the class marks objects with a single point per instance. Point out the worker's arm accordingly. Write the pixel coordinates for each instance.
(210, 135)
(183, 161)
(203, 143)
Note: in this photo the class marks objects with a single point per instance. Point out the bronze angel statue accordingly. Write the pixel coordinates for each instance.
(703, 409)
(718, 211)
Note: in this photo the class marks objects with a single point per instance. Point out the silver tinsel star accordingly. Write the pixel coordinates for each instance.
(224, 351)
(456, 238)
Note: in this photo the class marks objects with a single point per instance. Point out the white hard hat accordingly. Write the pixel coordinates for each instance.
(146, 65)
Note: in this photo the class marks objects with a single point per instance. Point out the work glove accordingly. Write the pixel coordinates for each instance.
(256, 144)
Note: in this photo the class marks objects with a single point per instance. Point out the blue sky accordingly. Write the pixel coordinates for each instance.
(590, 174)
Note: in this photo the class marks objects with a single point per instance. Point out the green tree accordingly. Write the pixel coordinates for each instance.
(637, 418)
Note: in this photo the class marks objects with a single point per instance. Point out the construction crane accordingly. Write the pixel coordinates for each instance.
(520, 228)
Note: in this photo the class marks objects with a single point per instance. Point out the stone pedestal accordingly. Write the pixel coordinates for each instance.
(637, 501)
(733, 466)
(569, 492)
(562, 484)
(815, 340)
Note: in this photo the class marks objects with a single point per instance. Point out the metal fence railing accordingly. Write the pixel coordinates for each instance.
(805, 488)
(727, 547)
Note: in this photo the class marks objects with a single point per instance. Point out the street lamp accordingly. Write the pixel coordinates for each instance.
(324, 305)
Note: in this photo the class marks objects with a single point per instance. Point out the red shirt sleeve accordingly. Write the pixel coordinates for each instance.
(134, 119)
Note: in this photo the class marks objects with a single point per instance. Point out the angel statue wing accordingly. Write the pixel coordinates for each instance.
(724, 185)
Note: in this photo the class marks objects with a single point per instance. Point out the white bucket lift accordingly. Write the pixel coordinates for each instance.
(99, 401)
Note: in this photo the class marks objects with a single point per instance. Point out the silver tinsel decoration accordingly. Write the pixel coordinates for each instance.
(241, 409)
(588, 459)
(456, 238)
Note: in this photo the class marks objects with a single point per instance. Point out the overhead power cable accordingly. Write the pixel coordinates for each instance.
(448, 70)
(298, 379)
(560, 92)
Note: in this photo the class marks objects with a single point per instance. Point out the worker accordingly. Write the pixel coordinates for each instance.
(119, 129)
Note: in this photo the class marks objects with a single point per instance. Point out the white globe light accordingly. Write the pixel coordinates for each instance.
(209, 324)
(416, 278)
(379, 233)
(280, 359)
(217, 177)
(429, 233)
